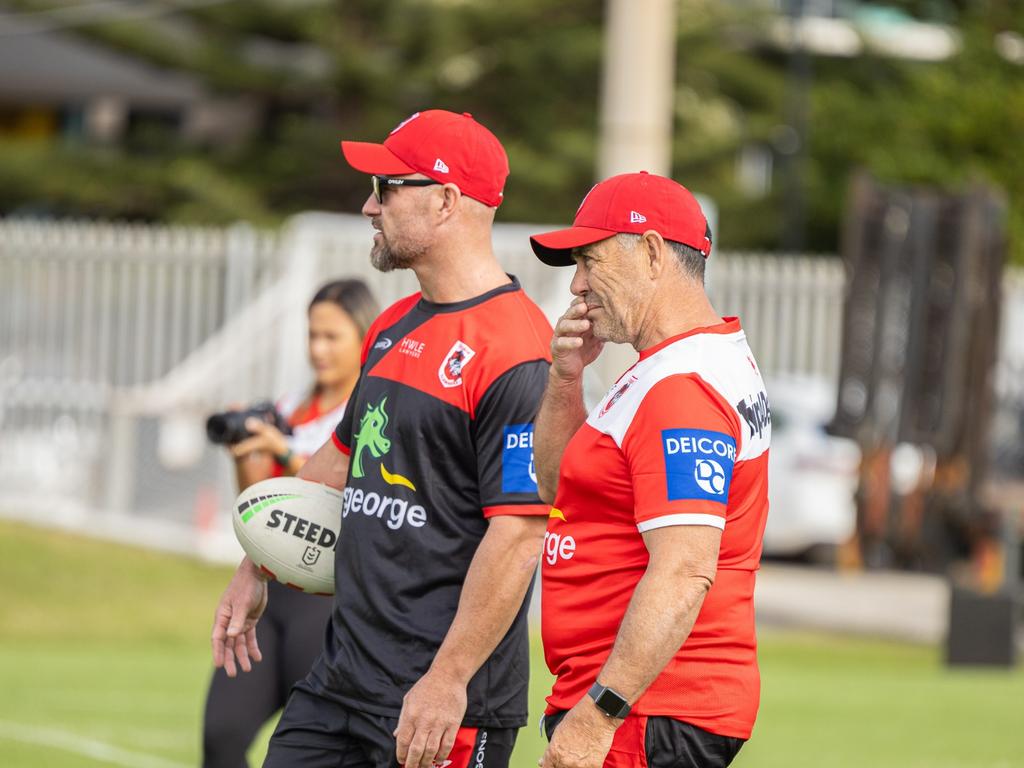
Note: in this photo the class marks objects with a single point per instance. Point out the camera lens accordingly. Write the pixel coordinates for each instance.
(217, 427)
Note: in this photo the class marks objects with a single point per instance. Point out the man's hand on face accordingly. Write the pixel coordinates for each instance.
(573, 345)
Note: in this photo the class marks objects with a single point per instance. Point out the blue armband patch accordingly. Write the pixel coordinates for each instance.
(698, 463)
(518, 474)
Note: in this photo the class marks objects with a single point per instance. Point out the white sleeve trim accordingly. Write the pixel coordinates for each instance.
(683, 519)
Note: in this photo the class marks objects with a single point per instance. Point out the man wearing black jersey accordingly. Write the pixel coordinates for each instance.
(425, 659)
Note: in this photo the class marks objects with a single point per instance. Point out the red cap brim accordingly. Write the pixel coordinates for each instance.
(555, 248)
(374, 159)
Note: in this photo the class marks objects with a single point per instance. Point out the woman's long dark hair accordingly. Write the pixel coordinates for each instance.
(353, 296)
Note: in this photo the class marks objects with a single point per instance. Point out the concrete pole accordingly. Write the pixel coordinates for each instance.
(637, 97)
(638, 86)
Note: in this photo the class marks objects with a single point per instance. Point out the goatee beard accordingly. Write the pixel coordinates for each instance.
(384, 259)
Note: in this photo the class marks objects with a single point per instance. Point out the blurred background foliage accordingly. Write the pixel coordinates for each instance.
(321, 70)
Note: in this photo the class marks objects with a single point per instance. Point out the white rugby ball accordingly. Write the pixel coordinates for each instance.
(289, 528)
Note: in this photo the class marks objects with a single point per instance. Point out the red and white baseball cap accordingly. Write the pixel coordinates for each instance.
(633, 203)
(443, 146)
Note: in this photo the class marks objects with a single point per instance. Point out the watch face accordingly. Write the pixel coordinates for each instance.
(610, 702)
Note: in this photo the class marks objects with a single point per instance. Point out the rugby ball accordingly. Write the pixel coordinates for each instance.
(289, 528)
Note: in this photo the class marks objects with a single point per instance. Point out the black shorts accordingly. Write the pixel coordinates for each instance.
(318, 733)
(663, 743)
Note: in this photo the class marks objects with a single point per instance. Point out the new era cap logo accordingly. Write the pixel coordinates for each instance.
(636, 218)
(439, 166)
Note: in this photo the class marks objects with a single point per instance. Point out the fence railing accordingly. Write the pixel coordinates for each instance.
(116, 341)
(90, 308)
(791, 308)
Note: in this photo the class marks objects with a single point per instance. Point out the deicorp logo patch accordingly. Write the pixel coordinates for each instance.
(698, 463)
(517, 471)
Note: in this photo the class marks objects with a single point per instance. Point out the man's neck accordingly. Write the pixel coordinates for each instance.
(671, 316)
(450, 275)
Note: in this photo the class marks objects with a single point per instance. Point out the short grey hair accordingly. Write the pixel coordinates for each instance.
(690, 259)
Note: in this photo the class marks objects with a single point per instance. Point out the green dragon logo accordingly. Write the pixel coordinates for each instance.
(370, 436)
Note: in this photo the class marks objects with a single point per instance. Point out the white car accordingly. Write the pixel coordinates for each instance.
(812, 476)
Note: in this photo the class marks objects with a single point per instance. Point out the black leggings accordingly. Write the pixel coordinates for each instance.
(291, 636)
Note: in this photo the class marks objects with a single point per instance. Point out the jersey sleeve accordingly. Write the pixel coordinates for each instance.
(503, 435)
(681, 448)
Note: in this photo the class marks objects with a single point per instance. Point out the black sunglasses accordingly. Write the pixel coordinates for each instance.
(381, 183)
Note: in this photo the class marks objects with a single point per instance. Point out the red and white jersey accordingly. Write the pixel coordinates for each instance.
(681, 439)
(311, 428)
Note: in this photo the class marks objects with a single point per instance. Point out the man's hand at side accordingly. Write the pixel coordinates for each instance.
(432, 713)
(234, 623)
(492, 594)
(582, 739)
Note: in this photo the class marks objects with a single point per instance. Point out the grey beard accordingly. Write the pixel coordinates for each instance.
(610, 330)
(385, 259)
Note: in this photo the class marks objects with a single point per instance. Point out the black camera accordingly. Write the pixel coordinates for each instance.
(228, 428)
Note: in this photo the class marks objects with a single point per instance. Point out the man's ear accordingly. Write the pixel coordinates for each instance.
(451, 195)
(655, 251)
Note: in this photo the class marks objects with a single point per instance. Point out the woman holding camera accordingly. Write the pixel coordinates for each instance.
(291, 631)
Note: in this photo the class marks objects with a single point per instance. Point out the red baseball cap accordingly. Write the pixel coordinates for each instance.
(442, 145)
(632, 203)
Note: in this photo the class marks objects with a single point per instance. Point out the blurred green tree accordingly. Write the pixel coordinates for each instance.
(530, 70)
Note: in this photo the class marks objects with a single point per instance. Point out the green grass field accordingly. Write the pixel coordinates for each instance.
(104, 661)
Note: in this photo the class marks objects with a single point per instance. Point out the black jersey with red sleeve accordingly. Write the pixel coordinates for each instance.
(439, 433)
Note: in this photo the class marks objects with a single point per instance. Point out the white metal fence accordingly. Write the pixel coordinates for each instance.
(87, 309)
(116, 342)
(791, 308)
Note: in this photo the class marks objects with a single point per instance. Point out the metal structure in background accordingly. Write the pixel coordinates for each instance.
(917, 386)
(116, 342)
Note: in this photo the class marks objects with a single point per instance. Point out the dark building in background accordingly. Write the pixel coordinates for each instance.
(54, 85)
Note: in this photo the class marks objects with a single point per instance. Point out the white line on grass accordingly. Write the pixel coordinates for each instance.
(70, 742)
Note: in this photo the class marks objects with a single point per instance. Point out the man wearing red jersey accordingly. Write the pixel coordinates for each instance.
(425, 657)
(659, 494)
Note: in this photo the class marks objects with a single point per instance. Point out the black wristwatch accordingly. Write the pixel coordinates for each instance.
(608, 701)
